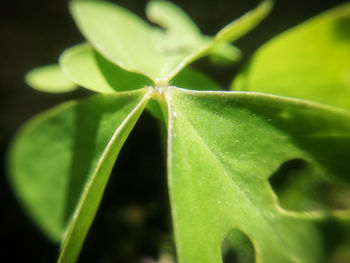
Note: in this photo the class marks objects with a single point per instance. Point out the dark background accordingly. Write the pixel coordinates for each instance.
(134, 215)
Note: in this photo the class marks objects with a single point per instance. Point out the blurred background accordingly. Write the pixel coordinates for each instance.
(133, 221)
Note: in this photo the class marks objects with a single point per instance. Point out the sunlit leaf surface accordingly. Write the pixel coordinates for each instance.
(49, 79)
(246, 170)
(83, 65)
(125, 39)
(223, 147)
(310, 61)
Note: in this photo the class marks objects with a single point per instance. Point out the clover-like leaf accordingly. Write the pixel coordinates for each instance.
(134, 45)
(49, 79)
(61, 160)
(222, 149)
(225, 149)
(87, 68)
(310, 61)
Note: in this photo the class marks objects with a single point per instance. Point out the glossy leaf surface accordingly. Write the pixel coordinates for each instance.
(49, 79)
(134, 45)
(224, 146)
(310, 61)
(61, 160)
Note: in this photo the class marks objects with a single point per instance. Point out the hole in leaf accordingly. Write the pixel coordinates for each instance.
(342, 29)
(300, 186)
(237, 248)
(336, 235)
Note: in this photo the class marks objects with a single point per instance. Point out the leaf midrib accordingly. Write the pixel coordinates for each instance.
(226, 172)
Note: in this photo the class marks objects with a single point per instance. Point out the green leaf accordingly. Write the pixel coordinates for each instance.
(88, 69)
(134, 45)
(83, 65)
(181, 30)
(61, 160)
(191, 79)
(224, 53)
(49, 79)
(119, 35)
(172, 18)
(244, 24)
(222, 149)
(310, 61)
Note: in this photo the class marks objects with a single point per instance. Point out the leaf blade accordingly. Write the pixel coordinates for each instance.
(119, 35)
(49, 79)
(71, 140)
(92, 194)
(190, 78)
(83, 65)
(219, 44)
(291, 64)
(131, 43)
(219, 176)
(172, 18)
(244, 24)
(180, 28)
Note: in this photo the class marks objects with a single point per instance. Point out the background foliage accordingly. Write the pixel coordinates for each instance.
(135, 209)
